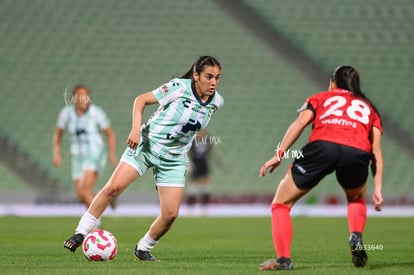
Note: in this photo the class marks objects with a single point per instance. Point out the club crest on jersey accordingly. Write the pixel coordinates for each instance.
(131, 152)
(212, 111)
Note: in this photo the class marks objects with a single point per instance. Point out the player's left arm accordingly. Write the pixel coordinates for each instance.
(111, 139)
(378, 162)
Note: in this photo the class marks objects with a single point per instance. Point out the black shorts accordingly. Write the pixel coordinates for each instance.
(200, 168)
(321, 158)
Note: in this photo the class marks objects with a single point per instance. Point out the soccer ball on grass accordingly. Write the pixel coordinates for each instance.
(100, 245)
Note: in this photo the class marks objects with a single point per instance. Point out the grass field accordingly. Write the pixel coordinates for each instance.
(207, 246)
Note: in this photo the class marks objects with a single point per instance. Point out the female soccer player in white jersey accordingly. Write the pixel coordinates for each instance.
(186, 105)
(84, 122)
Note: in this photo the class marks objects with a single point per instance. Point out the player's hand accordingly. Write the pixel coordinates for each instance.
(57, 161)
(272, 164)
(377, 200)
(133, 138)
(113, 160)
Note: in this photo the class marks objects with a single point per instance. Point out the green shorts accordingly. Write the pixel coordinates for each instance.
(167, 172)
(94, 161)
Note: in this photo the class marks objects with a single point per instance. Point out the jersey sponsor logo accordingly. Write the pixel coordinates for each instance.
(187, 104)
(80, 132)
(339, 121)
(191, 125)
(198, 110)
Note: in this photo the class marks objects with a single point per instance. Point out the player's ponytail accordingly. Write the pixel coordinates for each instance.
(347, 78)
(199, 65)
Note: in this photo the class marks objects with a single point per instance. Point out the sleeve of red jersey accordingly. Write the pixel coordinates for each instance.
(309, 104)
(376, 121)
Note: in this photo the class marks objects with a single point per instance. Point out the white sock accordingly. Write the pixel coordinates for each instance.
(86, 224)
(146, 243)
(98, 224)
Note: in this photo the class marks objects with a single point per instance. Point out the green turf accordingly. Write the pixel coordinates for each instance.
(207, 246)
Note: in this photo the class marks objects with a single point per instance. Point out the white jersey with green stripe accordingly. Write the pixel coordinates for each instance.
(181, 114)
(84, 130)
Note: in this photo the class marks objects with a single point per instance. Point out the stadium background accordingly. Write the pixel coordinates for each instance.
(274, 54)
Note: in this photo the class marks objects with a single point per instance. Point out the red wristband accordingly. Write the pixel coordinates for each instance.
(280, 154)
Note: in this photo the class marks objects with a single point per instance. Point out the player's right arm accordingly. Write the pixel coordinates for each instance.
(292, 133)
(62, 121)
(57, 141)
(140, 102)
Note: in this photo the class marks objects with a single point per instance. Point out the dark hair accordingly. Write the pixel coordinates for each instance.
(78, 87)
(347, 78)
(199, 65)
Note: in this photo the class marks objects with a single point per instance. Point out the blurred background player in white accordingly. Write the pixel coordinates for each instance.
(345, 138)
(186, 106)
(200, 154)
(84, 122)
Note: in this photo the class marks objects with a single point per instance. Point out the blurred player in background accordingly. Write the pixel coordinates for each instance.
(345, 138)
(84, 122)
(202, 150)
(186, 105)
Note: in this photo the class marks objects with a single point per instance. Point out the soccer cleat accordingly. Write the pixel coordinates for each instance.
(73, 242)
(144, 255)
(359, 256)
(280, 264)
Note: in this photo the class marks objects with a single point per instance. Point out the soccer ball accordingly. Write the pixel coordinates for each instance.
(100, 245)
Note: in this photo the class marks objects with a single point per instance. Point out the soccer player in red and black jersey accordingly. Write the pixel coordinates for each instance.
(345, 139)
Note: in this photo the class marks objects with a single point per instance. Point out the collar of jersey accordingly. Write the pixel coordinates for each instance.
(193, 89)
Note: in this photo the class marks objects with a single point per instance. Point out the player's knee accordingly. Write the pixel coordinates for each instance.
(356, 199)
(169, 220)
(111, 191)
(81, 195)
(355, 196)
(286, 202)
(169, 216)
